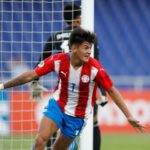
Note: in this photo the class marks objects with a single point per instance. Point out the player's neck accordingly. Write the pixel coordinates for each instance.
(75, 62)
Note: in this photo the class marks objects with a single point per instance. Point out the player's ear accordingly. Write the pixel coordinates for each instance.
(74, 48)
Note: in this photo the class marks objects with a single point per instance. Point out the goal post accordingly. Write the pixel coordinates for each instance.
(87, 22)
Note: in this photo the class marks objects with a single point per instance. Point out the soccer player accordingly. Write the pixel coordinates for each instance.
(59, 42)
(71, 103)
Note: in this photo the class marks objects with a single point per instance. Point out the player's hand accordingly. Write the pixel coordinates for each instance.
(37, 91)
(102, 101)
(136, 124)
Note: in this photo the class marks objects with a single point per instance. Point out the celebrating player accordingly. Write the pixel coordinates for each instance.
(73, 99)
(58, 42)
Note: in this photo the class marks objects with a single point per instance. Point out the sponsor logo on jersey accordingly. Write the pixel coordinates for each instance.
(85, 78)
(41, 64)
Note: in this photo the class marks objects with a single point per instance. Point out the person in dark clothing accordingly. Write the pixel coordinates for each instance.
(58, 43)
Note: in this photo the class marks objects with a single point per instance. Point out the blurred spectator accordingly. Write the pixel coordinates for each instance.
(17, 66)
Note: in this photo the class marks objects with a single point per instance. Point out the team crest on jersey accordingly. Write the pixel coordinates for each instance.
(85, 78)
(41, 64)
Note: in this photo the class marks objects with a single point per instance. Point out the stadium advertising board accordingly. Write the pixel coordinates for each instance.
(112, 120)
(4, 114)
(25, 115)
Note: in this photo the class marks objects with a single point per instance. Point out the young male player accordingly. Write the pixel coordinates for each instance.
(73, 99)
(58, 43)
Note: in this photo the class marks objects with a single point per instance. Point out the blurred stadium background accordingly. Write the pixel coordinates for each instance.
(123, 29)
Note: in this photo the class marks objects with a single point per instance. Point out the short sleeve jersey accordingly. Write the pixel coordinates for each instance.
(75, 93)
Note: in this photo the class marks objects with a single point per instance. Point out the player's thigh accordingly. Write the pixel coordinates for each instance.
(62, 142)
(47, 128)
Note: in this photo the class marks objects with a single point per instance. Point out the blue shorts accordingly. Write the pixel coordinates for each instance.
(70, 126)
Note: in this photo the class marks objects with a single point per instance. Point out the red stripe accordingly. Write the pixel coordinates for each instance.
(83, 92)
(64, 69)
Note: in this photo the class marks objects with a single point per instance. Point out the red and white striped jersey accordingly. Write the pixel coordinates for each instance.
(76, 90)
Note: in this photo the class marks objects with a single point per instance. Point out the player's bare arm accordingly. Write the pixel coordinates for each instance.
(118, 99)
(22, 79)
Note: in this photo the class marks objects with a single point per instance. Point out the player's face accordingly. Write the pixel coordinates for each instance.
(84, 51)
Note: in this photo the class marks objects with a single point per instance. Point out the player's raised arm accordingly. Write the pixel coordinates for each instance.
(21, 79)
(118, 99)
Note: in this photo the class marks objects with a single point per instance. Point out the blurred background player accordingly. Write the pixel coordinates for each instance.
(58, 43)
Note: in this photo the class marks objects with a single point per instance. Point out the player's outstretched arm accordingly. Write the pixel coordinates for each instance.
(22, 79)
(118, 99)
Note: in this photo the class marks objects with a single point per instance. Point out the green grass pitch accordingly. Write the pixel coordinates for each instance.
(109, 142)
(126, 141)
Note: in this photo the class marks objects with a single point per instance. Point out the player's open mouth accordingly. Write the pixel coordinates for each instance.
(87, 56)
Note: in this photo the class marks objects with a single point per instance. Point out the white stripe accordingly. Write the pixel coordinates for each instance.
(56, 94)
(93, 73)
(57, 65)
(89, 102)
(91, 90)
(73, 96)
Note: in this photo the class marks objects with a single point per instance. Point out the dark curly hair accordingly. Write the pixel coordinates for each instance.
(80, 35)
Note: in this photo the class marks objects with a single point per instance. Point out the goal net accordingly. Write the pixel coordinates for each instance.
(25, 26)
